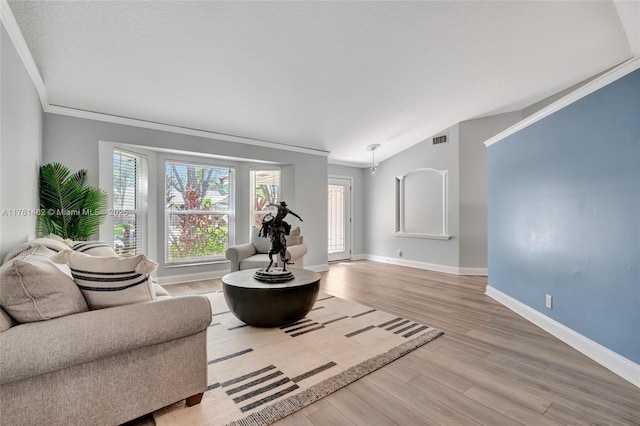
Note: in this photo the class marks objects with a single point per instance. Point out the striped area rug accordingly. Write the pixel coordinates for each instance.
(259, 375)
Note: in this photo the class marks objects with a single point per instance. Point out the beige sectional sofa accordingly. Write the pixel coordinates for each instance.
(95, 367)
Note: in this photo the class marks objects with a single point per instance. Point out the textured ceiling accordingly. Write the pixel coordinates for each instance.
(334, 76)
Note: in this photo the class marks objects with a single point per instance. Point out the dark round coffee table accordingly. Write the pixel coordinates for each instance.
(270, 305)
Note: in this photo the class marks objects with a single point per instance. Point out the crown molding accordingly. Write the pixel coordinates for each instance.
(348, 163)
(616, 73)
(126, 121)
(9, 21)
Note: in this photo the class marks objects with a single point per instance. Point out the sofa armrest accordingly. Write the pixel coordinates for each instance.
(237, 254)
(41, 347)
(297, 251)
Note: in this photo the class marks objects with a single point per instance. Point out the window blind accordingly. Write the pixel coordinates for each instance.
(129, 202)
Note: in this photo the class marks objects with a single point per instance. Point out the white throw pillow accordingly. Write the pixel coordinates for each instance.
(262, 244)
(51, 244)
(295, 232)
(293, 240)
(65, 241)
(107, 281)
(32, 288)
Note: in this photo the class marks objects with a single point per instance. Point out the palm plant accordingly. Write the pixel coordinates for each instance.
(69, 207)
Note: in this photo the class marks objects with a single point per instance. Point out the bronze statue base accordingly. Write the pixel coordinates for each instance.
(275, 275)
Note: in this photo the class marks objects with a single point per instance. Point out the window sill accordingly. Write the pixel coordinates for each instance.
(425, 236)
(182, 265)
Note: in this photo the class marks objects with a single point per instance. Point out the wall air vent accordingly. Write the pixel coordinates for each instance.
(440, 139)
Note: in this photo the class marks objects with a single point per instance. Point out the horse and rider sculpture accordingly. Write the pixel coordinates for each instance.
(277, 230)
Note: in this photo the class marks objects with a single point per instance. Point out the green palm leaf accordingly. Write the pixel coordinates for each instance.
(93, 213)
(70, 207)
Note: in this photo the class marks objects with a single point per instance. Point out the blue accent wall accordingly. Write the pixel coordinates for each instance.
(564, 216)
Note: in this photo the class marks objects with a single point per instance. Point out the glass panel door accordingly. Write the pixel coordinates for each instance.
(339, 202)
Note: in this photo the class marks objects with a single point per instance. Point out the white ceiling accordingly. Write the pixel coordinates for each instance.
(333, 76)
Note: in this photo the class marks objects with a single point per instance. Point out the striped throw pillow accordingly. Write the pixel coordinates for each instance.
(107, 281)
(94, 248)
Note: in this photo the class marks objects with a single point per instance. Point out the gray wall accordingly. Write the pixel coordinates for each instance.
(358, 175)
(20, 149)
(380, 202)
(564, 208)
(74, 142)
(473, 185)
(465, 158)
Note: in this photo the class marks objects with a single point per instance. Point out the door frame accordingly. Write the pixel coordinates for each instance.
(349, 230)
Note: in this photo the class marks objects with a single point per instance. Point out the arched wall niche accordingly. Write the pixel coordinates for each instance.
(422, 206)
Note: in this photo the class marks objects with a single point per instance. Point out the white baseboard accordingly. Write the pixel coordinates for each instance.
(195, 276)
(209, 275)
(473, 271)
(318, 268)
(620, 365)
(353, 257)
(428, 266)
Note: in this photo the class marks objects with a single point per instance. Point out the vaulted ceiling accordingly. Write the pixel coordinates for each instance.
(332, 76)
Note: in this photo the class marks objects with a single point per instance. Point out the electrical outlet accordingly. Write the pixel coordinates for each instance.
(549, 301)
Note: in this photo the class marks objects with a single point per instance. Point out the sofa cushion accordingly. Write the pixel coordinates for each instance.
(94, 248)
(6, 322)
(32, 288)
(257, 261)
(107, 281)
(51, 244)
(261, 244)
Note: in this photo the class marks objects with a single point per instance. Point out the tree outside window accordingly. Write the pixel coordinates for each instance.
(265, 189)
(199, 211)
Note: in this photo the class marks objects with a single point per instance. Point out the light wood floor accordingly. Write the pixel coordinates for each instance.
(491, 367)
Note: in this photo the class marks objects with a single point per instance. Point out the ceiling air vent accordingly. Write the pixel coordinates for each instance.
(440, 139)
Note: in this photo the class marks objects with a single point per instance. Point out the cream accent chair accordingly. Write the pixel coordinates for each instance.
(255, 253)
